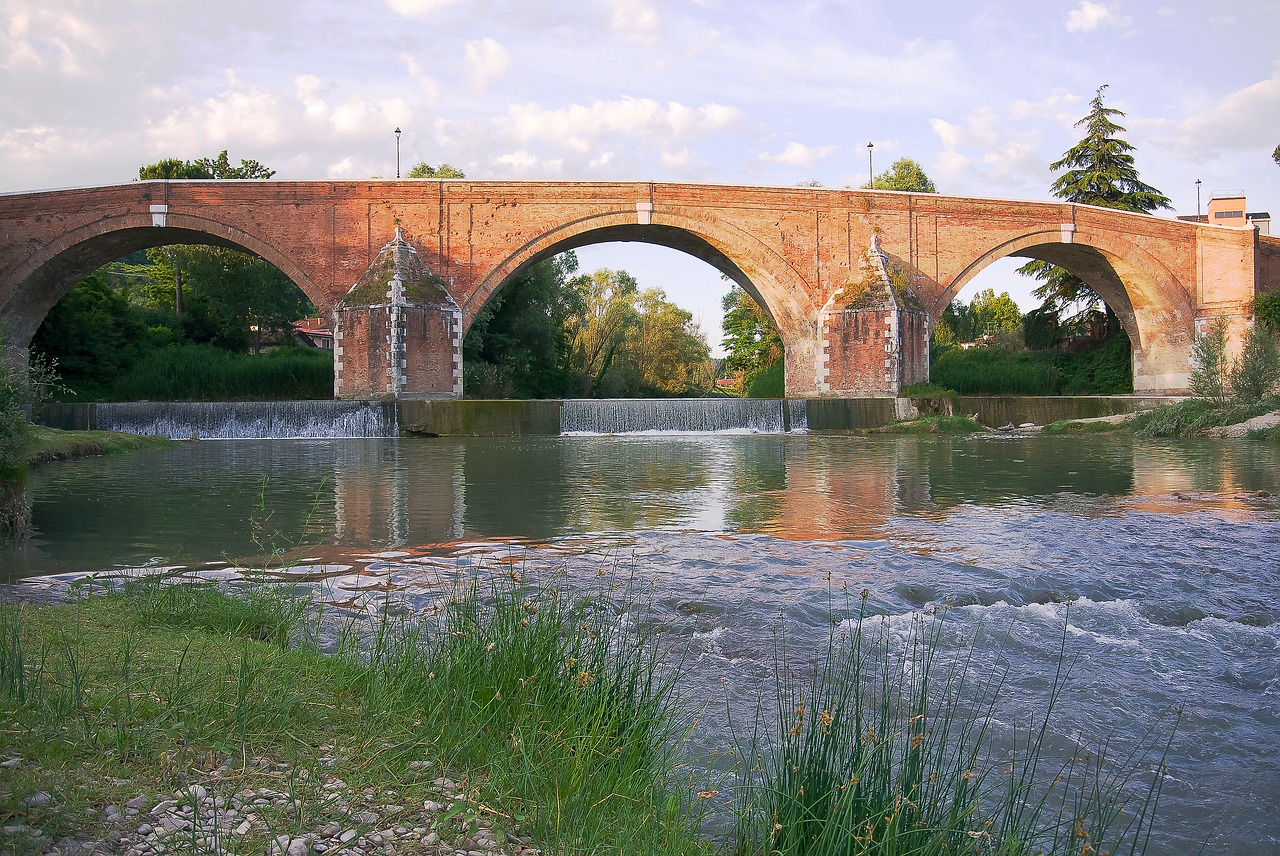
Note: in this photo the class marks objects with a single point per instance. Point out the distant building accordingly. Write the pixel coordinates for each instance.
(314, 332)
(1228, 208)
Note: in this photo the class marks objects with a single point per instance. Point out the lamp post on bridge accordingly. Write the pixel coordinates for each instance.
(1197, 198)
(397, 152)
(871, 173)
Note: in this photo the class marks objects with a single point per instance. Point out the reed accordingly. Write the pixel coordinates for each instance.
(206, 373)
(883, 748)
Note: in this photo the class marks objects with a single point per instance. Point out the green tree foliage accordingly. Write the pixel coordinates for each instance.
(1266, 308)
(1040, 329)
(751, 342)
(994, 313)
(422, 169)
(988, 314)
(1210, 367)
(904, 174)
(1275, 155)
(606, 314)
(95, 335)
(1257, 369)
(516, 344)
(1098, 170)
(553, 332)
(173, 168)
(205, 168)
(234, 300)
(664, 352)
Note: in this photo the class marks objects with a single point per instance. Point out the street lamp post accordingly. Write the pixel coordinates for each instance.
(871, 173)
(1197, 197)
(397, 152)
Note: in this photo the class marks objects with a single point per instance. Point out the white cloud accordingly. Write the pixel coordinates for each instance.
(423, 9)
(634, 19)
(486, 60)
(798, 154)
(1089, 16)
(524, 163)
(991, 153)
(1245, 119)
(576, 124)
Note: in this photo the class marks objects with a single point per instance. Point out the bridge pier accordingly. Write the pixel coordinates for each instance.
(397, 332)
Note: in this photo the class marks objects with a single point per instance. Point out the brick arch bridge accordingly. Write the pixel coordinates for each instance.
(796, 250)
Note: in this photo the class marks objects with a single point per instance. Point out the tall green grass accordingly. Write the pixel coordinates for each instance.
(557, 713)
(1195, 415)
(206, 373)
(882, 748)
(1106, 370)
(551, 709)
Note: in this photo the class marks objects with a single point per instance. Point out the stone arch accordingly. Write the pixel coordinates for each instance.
(54, 268)
(768, 278)
(1156, 309)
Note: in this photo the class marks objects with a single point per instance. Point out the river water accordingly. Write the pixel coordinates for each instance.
(1167, 553)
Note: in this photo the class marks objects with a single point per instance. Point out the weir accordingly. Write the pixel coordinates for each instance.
(268, 420)
(682, 415)
(515, 418)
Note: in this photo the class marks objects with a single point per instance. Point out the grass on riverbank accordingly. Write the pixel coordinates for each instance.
(551, 711)
(42, 444)
(1194, 416)
(547, 709)
(933, 425)
(881, 748)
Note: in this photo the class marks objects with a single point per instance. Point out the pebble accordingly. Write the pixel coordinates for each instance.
(201, 819)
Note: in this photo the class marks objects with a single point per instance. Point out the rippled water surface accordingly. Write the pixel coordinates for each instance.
(1168, 554)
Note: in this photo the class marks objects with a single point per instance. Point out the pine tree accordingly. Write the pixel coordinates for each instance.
(1099, 171)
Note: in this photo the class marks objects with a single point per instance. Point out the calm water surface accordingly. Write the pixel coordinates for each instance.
(1167, 552)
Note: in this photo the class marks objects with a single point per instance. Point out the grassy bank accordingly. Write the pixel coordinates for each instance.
(531, 714)
(42, 444)
(933, 425)
(1189, 418)
(211, 720)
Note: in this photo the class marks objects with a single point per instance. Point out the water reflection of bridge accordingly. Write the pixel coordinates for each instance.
(410, 493)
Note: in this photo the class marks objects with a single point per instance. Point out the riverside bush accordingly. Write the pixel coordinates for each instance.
(206, 373)
(1106, 370)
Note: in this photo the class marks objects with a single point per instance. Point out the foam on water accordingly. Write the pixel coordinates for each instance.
(243, 420)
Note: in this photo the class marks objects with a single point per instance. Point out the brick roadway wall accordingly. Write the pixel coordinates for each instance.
(790, 247)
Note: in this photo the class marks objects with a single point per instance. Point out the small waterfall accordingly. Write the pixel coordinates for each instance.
(798, 416)
(223, 420)
(680, 415)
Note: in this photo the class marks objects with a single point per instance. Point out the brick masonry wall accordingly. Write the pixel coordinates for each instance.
(792, 247)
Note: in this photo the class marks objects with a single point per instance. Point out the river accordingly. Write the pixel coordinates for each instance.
(1167, 552)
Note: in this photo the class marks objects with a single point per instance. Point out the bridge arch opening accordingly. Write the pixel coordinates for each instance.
(116, 300)
(1141, 302)
(704, 273)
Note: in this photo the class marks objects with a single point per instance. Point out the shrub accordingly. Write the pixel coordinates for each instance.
(770, 383)
(206, 373)
(1210, 367)
(1257, 368)
(1266, 308)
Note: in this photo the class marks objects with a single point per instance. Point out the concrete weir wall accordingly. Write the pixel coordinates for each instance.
(513, 418)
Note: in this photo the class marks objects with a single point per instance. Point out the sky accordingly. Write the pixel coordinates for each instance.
(983, 94)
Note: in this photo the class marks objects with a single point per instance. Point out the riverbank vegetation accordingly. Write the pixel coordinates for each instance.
(509, 711)
(556, 333)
